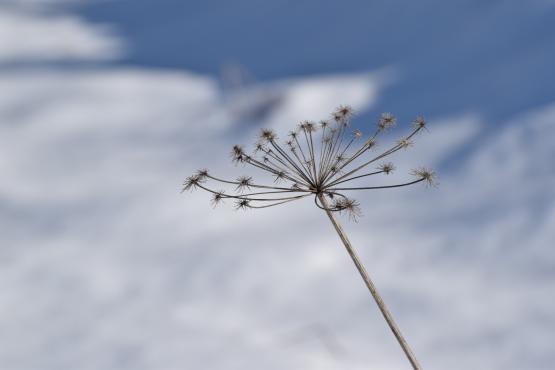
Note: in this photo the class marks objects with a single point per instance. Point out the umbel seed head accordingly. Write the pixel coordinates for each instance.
(331, 163)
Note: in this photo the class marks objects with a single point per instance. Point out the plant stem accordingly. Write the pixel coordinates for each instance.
(371, 287)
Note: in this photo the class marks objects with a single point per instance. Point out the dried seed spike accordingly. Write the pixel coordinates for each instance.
(242, 204)
(243, 183)
(217, 198)
(337, 117)
(202, 174)
(308, 126)
(342, 114)
(259, 147)
(324, 123)
(267, 135)
(237, 150)
(352, 207)
(387, 168)
(419, 123)
(238, 154)
(191, 183)
(425, 174)
(405, 143)
(370, 143)
(387, 120)
(338, 204)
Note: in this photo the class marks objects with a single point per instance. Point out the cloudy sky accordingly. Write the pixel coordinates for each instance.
(106, 106)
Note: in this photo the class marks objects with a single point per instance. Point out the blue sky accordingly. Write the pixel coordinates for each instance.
(106, 106)
(485, 56)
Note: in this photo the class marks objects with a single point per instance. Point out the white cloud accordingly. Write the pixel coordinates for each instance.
(29, 34)
(109, 267)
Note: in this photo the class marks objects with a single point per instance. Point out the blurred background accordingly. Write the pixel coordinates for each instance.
(107, 105)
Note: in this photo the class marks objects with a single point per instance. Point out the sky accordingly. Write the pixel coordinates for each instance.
(106, 107)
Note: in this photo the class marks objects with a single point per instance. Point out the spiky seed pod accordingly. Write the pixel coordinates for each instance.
(292, 134)
(405, 143)
(290, 143)
(425, 174)
(387, 120)
(324, 124)
(338, 204)
(267, 135)
(242, 204)
(202, 174)
(217, 198)
(343, 114)
(237, 154)
(191, 182)
(347, 204)
(370, 143)
(352, 207)
(387, 168)
(244, 183)
(346, 111)
(237, 150)
(259, 147)
(308, 126)
(419, 123)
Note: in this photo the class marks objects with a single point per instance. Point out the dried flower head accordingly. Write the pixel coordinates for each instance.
(217, 198)
(310, 164)
(427, 175)
(349, 206)
(237, 154)
(387, 168)
(242, 204)
(343, 113)
(323, 167)
(244, 183)
(267, 135)
(308, 126)
(202, 174)
(419, 122)
(191, 183)
(387, 120)
(405, 143)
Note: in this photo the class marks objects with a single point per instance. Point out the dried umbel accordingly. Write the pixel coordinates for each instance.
(324, 166)
(310, 164)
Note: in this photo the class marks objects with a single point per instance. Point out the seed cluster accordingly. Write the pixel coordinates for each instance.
(310, 164)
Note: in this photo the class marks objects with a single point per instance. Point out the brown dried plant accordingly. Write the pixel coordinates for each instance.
(320, 166)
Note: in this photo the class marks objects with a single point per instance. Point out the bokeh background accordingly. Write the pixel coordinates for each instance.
(106, 106)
